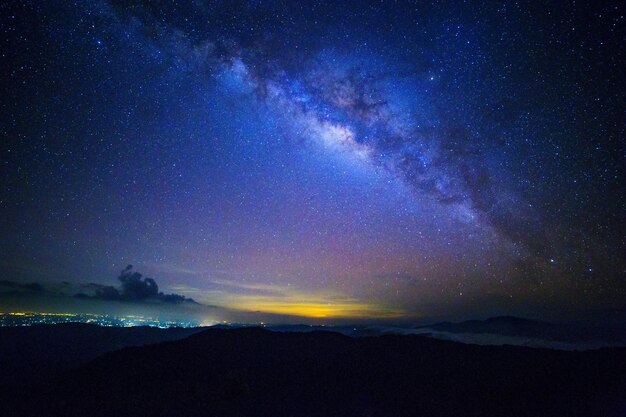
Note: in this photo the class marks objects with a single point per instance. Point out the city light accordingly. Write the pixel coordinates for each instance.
(29, 318)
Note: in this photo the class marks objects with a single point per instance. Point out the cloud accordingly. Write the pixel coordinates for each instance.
(134, 288)
(12, 286)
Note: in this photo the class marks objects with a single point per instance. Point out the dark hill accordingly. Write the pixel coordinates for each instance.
(254, 372)
(39, 351)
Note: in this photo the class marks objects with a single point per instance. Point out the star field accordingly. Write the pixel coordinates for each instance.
(358, 160)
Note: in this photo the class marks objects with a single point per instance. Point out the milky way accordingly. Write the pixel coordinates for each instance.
(354, 160)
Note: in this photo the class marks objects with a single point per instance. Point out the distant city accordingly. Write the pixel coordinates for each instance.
(32, 318)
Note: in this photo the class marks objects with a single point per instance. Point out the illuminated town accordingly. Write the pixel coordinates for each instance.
(33, 318)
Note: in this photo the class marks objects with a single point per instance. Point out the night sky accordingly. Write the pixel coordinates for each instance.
(331, 161)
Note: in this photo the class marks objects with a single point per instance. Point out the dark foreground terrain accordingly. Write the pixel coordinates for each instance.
(35, 353)
(255, 372)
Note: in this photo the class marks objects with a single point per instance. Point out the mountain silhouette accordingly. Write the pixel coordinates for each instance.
(256, 372)
(40, 351)
(521, 327)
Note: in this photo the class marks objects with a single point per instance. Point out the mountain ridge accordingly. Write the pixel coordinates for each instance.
(253, 371)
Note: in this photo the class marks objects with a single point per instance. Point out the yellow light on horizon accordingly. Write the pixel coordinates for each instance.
(288, 300)
(312, 309)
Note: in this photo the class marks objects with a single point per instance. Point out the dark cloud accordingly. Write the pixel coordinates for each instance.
(11, 286)
(134, 288)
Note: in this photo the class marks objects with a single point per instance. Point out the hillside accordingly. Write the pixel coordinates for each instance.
(255, 372)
